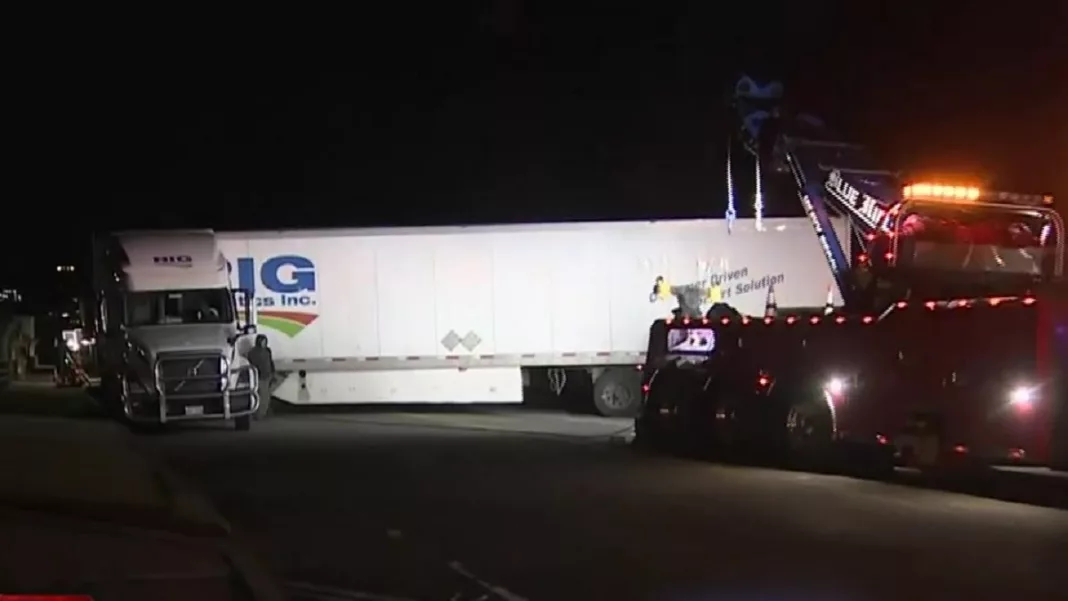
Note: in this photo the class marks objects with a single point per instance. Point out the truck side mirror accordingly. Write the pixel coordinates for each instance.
(246, 306)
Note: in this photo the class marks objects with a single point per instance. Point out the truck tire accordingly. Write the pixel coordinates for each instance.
(109, 395)
(809, 435)
(868, 461)
(617, 392)
(646, 435)
(243, 423)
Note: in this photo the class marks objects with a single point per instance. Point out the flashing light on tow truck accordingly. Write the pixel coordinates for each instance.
(929, 191)
(943, 192)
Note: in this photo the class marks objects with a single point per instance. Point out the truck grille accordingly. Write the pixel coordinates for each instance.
(190, 374)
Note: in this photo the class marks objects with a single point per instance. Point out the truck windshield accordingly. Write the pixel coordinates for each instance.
(173, 307)
(978, 239)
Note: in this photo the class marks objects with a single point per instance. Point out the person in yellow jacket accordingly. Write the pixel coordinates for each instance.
(690, 297)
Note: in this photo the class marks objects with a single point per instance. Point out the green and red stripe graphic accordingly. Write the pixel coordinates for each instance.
(289, 323)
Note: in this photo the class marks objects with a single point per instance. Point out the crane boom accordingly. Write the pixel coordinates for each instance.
(938, 239)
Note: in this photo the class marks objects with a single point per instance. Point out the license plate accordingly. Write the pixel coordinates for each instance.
(194, 410)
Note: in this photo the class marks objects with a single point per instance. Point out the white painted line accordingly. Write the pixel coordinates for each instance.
(500, 591)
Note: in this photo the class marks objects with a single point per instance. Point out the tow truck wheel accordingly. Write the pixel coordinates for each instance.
(809, 433)
(243, 423)
(648, 428)
(870, 461)
(646, 435)
(617, 392)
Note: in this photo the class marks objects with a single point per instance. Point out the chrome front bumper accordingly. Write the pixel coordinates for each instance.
(191, 396)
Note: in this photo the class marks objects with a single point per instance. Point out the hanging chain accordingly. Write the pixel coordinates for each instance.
(732, 214)
(758, 199)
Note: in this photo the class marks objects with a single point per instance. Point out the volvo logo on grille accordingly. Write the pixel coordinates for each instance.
(195, 370)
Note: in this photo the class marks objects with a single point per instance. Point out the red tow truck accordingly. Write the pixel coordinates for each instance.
(950, 350)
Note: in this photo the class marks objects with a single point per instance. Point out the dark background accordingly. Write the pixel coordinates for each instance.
(496, 111)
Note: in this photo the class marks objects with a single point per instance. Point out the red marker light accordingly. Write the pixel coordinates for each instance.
(840, 319)
(725, 321)
(1029, 300)
(960, 449)
(645, 388)
(791, 319)
(814, 319)
(930, 305)
(768, 320)
(685, 321)
(889, 256)
(763, 381)
(868, 319)
(902, 304)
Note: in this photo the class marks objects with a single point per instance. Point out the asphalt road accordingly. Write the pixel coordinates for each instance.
(546, 506)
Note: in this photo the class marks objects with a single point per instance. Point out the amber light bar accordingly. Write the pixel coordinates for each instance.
(930, 191)
(957, 193)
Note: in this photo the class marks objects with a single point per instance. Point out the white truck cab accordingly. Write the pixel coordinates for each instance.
(173, 335)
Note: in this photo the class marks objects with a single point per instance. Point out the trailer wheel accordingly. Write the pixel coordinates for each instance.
(243, 423)
(617, 392)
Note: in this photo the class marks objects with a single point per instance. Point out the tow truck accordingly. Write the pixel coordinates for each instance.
(949, 350)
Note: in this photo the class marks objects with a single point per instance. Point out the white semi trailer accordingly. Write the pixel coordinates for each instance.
(478, 314)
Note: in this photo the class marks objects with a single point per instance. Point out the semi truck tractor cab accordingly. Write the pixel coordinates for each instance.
(173, 335)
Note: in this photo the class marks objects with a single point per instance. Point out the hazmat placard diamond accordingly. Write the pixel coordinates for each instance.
(471, 341)
(451, 340)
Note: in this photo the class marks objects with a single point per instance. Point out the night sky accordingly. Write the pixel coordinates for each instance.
(501, 111)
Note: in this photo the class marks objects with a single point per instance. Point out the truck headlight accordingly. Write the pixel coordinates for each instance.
(1022, 396)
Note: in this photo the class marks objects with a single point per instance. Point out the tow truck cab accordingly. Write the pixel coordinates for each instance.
(976, 375)
(173, 336)
(971, 369)
(1053, 356)
(958, 382)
